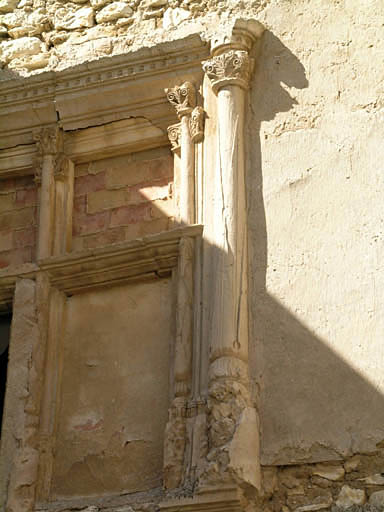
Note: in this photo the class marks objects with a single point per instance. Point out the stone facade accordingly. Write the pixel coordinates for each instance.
(191, 242)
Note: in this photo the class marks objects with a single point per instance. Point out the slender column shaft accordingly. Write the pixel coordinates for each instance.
(187, 176)
(45, 234)
(229, 334)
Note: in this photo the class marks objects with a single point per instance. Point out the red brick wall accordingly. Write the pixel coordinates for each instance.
(122, 198)
(18, 219)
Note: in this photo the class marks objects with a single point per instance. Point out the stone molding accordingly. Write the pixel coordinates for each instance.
(150, 256)
(112, 86)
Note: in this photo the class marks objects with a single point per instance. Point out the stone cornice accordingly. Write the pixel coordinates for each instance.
(146, 258)
(99, 92)
(209, 499)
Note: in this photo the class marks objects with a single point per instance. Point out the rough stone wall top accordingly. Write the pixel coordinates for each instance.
(39, 35)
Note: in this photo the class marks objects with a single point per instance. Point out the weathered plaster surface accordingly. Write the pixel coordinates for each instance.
(114, 390)
(316, 230)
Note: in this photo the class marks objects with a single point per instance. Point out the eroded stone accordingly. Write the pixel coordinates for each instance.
(83, 17)
(21, 48)
(349, 496)
(114, 11)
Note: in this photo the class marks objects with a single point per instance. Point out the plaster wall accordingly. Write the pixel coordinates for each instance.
(114, 390)
(316, 230)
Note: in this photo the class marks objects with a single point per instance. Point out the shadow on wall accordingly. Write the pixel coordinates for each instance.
(313, 405)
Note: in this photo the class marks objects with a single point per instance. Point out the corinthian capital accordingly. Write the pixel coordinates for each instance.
(183, 98)
(232, 67)
(48, 140)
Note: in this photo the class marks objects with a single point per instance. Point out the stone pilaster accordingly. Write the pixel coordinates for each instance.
(233, 429)
(191, 130)
(55, 175)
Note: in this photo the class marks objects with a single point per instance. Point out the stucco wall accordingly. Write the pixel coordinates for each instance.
(316, 230)
(114, 390)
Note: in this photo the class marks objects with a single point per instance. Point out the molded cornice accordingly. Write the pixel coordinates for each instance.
(149, 257)
(99, 92)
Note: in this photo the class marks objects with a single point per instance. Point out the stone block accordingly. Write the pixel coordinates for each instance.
(72, 20)
(106, 200)
(89, 183)
(149, 192)
(8, 5)
(21, 48)
(87, 224)
(6, 243)
(147, 228)
(126, 215)
(123, 173)
(349, 497)
(30, 62)
(6, 202)
(329, 472)
(98, 4)
(26, 197)
(17, 219)
(114, 11)
(377, 499)
(18, 257)
(24, 238)
(110, 236)
(162, 208)
(80, 204)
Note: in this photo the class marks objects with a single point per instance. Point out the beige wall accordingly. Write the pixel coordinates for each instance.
(316, 230)
(114, 390)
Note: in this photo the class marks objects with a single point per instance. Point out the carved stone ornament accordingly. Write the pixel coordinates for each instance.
(62, 167)
(183, 98)
(48, 140)
(196, 124)
(229, 68)
(174, 134)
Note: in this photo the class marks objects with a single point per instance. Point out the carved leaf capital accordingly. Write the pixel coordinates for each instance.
(230, 68)
(196, 124)
(183, 98)
(174, 136)
(49, 140)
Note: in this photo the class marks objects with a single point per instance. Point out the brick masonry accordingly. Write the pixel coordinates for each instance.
(18, 219)
(122, 198)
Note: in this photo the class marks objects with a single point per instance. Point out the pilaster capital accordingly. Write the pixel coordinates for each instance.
(196, 124)
(230, 63)
(174, 136)
(232, 67)
(49, 140)
(183, 98)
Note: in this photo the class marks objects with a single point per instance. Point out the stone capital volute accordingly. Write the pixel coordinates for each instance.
(230, 63)
(183, 98)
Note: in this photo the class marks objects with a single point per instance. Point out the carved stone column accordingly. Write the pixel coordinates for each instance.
(233, 434)
(55, 175)
(185, 135)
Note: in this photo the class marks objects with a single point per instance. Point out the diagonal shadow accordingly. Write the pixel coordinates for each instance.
(313, 405)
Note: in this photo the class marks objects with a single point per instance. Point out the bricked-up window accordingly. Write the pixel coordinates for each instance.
(5, 324)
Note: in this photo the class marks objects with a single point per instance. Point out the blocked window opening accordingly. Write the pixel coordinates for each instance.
(5, 327)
